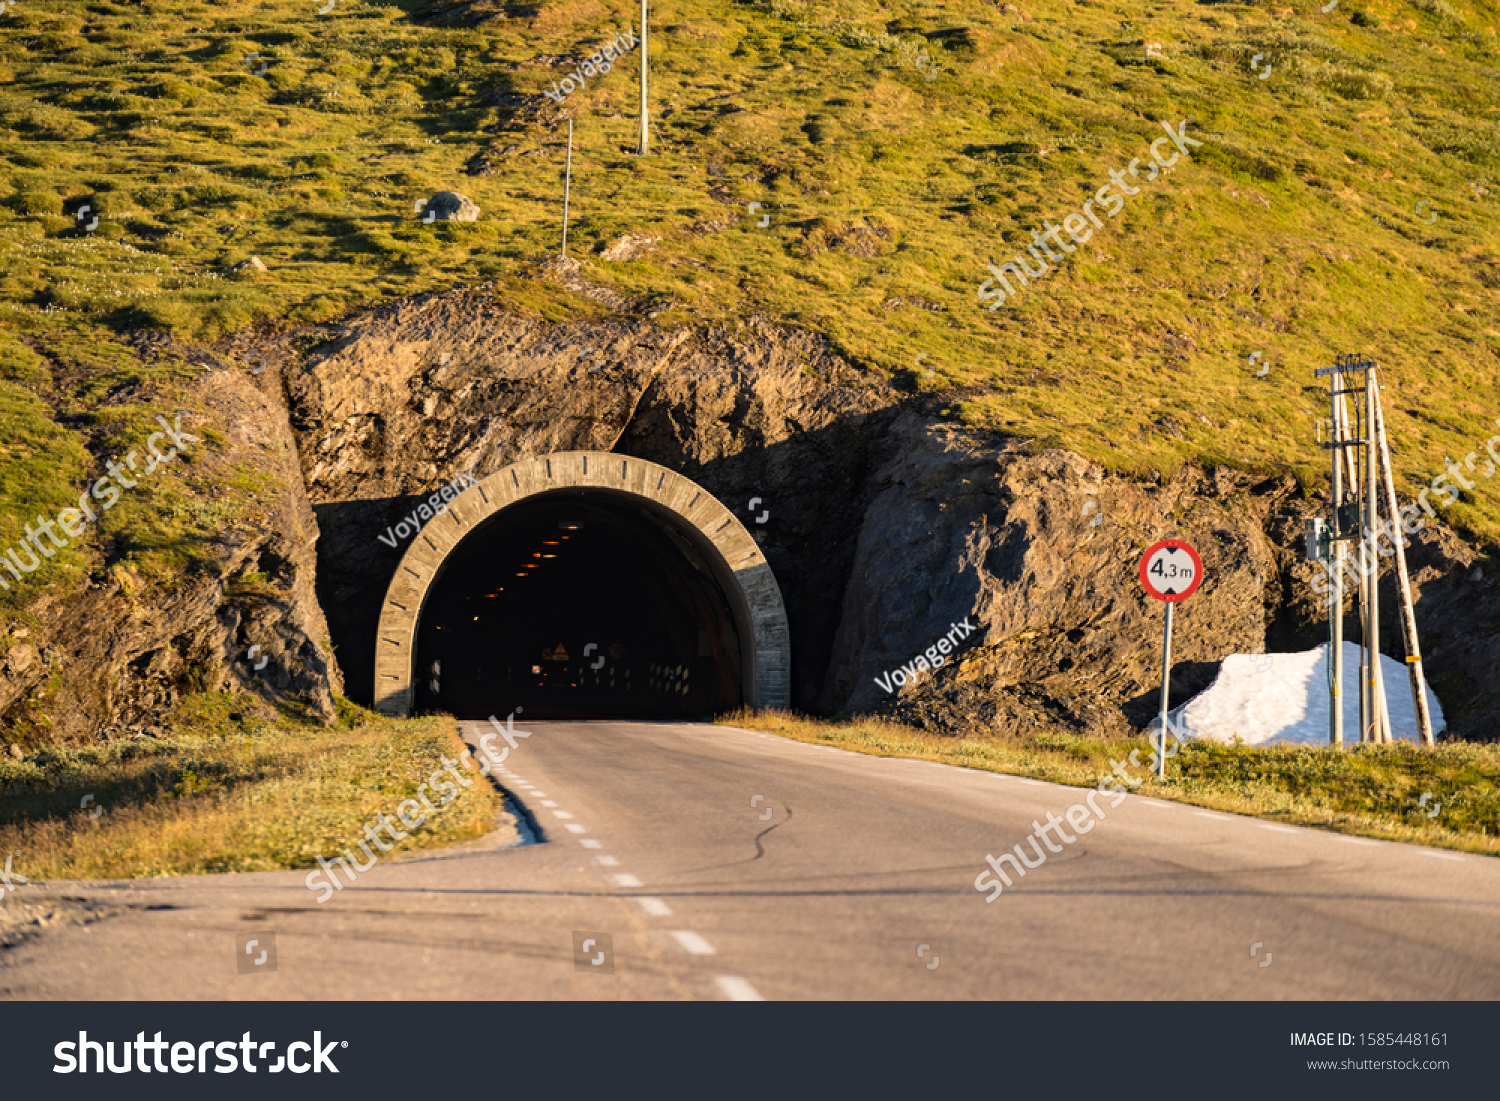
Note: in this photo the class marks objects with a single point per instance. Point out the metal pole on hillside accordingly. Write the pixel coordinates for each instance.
(1372, 561)
(1361, 521)
(645, 112)
(1336, 607)
(1379, 712)
(567, 189)
(1403, 584)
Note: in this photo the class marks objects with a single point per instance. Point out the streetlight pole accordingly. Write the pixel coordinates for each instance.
(567, 188)
(645, 112)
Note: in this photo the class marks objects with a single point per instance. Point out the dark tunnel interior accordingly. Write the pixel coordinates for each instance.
(579, 604)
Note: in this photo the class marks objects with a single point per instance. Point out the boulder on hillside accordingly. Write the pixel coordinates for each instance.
(450, 206)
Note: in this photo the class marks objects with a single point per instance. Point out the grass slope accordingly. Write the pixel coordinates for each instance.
(219, 796)
(1347, 201)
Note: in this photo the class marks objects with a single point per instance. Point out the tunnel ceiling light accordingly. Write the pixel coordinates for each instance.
(566, 525)
(521, 574)
(549, 556)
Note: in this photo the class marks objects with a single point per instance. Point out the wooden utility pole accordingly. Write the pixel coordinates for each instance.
(1358, 520)
(1335, 657)
(1379, 713)
(1403, 583)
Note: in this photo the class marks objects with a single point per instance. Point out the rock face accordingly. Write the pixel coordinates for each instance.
(1039, 552)
(885, 525)
(399, 402)
(112, 659)
(450, 206)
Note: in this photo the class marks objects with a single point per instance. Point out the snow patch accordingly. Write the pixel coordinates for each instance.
(1282, 699)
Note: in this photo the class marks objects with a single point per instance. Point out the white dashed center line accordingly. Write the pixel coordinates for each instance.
(655, 907)
(692, 942)
(606, 862)
(574, 827)
(561, 814)
(624, 879)
(548, 803)
(590, 843)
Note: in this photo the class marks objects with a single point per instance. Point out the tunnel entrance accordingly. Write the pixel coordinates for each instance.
(582, 584)
(577, 604)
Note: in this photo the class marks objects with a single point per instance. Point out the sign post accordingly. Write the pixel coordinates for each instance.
(1171, 571)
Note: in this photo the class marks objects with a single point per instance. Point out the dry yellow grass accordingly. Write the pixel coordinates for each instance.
(204, 801)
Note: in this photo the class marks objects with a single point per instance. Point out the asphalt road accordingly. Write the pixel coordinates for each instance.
(712, 863)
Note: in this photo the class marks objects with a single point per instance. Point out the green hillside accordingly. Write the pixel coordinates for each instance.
(1344, 198)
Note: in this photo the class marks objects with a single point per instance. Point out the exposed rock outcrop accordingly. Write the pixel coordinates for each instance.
(113, 658)
(885, 524)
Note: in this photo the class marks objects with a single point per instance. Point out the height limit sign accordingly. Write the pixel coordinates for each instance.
(1171, 571)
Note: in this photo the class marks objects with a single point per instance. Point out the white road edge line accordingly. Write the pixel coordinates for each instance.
(1439, 856)
(1355, 841)
(692, 942)
(1211, 814)
(1154, 803)
(1278, 829)
(737, 989)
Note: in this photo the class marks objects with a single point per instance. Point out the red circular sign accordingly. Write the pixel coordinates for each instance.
(1171, 570)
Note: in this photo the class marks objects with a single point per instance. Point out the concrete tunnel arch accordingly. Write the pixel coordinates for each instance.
(721, 541)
